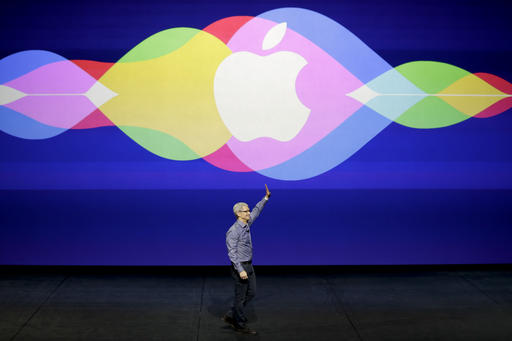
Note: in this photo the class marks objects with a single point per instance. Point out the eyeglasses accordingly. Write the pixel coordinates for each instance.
(245, 211)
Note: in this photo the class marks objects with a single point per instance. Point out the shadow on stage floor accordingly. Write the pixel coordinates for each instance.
(292, 303)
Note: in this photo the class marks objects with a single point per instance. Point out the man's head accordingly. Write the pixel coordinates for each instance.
(242, 211)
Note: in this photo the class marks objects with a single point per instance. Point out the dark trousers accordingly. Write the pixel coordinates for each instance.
(245, 290)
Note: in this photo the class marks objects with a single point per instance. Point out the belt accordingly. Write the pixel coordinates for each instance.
(248, 262)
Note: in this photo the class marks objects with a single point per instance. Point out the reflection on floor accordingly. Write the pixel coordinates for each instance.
(292, 303)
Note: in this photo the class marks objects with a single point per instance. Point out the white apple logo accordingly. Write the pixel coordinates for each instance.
(256, 96)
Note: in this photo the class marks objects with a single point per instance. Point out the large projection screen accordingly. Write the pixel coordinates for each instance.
(129, 130)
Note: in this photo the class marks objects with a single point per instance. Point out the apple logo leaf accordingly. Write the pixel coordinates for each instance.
(274, 36)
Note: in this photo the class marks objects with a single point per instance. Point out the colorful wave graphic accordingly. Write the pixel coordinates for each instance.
(289, 94)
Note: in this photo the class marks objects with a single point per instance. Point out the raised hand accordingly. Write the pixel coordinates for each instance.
(267, 195)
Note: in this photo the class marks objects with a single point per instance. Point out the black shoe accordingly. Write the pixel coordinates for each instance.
(245, 330)
(228, 320)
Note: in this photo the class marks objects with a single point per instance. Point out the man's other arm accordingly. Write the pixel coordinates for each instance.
(232, 243)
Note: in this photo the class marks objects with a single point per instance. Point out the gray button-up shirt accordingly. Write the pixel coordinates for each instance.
(238, 238)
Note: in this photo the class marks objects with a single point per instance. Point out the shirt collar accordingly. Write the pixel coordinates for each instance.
(242, 225)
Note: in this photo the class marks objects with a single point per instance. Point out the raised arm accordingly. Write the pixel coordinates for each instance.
(259, 207)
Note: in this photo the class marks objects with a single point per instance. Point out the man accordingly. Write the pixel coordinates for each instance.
(239, 244)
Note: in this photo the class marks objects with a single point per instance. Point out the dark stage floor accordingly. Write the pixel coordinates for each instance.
(315, 303)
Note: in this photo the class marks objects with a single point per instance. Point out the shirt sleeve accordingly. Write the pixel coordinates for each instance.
(232, 243)
(257, 210)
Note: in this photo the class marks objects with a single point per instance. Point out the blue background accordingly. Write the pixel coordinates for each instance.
(409, 196)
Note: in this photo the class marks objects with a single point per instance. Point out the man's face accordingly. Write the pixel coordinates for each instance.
(244, 214)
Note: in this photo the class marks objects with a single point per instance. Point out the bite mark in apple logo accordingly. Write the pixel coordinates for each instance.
(255, 95)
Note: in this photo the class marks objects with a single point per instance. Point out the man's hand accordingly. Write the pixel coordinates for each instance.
(267, 195)
(243, 275)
